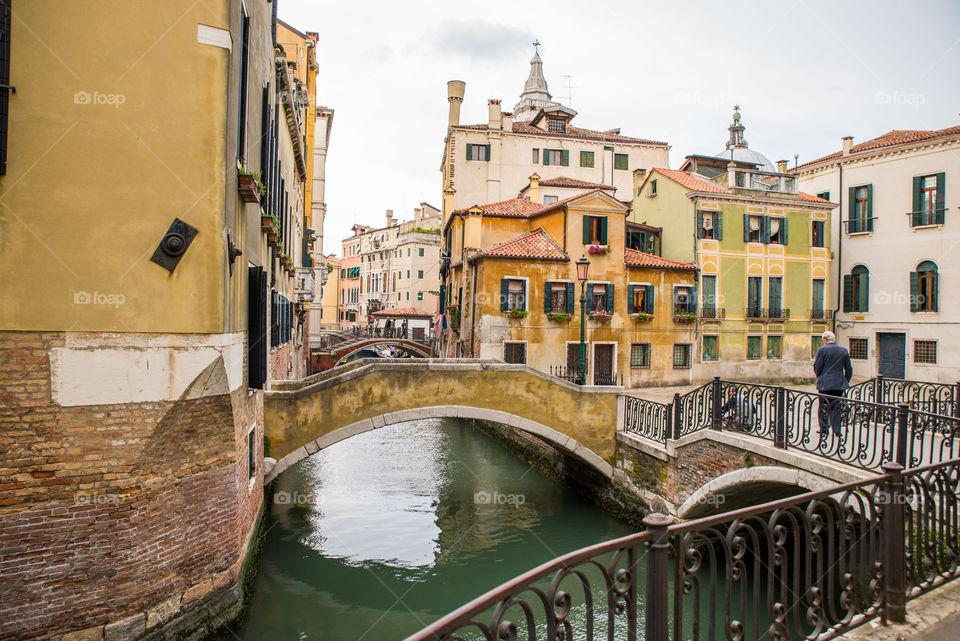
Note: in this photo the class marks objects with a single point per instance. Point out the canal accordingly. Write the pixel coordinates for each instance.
(381, 534)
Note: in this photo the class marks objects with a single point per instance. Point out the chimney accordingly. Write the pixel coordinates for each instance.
(495, 118)
(507, 121)
(417, 215)
(389, 218)
(847, 145)
(639, 175)
(534, 190)
(782, 166)
(455, 90)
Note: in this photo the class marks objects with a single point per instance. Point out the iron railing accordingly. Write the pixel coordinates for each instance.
(934, 398)
(807, 567)
(821, 314)
(575, 376)
(713, 313)
(647, 418)
(767, 313)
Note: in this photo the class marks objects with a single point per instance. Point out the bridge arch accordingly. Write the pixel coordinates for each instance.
(411, 347)
(750, 486)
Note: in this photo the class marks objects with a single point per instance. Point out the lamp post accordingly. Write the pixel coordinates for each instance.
(583, 266)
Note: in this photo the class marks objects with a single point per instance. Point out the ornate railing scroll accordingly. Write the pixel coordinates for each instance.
(694, 410)
(931, 502)
(647, 418)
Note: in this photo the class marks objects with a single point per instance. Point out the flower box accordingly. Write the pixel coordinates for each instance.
(249, 188)
(517, 313)
(684, 317)
(598, 249)
(266, 223)
(559, 316)
(640, 316)
(271, 239)
(599, 316)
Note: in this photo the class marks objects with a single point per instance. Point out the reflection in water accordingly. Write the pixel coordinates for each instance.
(377, 536)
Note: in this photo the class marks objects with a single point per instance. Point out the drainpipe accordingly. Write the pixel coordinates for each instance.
(839, 280)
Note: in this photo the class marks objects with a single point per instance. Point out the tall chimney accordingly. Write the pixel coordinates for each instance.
(639, 175)
(507, 120)
(782, 166)
(535, 188)
(494, 118)
(847, 145)
(389, 218)
(417, 215)
(455, 90)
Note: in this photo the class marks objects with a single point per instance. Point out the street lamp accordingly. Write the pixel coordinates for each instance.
(583, 266)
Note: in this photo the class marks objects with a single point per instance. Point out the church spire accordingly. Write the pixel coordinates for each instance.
(737, 141)
(535, 95)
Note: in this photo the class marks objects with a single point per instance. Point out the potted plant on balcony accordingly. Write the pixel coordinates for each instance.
(268, 222)
(249, 185)
(642, 316)
(683, 316)
(517, 313)
(598, 249)
(559, 316)
(601, 315)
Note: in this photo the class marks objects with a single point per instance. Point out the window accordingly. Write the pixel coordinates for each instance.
(683, 299)
(928, 200)
(419, 273)
(753, 348)
(739, 179)
(515, 353)
(860, 216)
(513, 293)
(681, 356)
(556, 157)
(708, 285)
(252, 451)
(419, 295)
(776, 230)
(709, 348)
(408, 295)
(816, 341)
(478, 152)
(549, 199)
(408, 251)
(536, 156)
(586, 159)
(817, 291)
(859, 349)
(621, 161)
(856, 290)
(710, 225)
(824, 194)
(639, 296)
(775, 296)
(556, 125)
(751, 228)
(925, 352)
(420, 251)
(653, 187)
(594, 230)
(819, 234)
(924, 288)
(774, 346)
(598, 298)
(408, 273)
(558, 297)
(640, 355)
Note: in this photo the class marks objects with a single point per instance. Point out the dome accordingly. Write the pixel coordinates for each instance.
(745, 154)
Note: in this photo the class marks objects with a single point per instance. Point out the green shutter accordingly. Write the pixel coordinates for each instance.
(443, 298)
(718, 225)
(852, 227)
(784, 229)
(630, 298)
(941, 197)
(589, 298)
(610, 298)
(523, 293)
(935, 293)
(488, 153)
(693, 300)
(917, 204)
(869, 207)
(546, 156)
(603, 230)
(848, 293)
(914, 292)
(469, 151)
(586, 230)
(547, 295)
(569, 298)
(746, 228)
(504, 291)
(699, 224)
(649, 299)
(863, 305)
(565, 157)
(765, 229)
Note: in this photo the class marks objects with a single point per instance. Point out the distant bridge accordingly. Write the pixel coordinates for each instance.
(337, 353)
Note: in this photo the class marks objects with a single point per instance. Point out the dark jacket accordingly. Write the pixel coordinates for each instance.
(833, 367)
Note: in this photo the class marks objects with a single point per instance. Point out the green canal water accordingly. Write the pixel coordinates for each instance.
(377, 536)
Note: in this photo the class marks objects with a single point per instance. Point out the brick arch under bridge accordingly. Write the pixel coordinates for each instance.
(302, 417)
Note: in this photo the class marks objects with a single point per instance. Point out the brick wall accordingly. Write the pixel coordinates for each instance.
(108, 510)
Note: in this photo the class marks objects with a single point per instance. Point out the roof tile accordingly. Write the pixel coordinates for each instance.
(565, 181)
(536, 244)
(636, 258)
(890, 139)
(691, 182)
(571, 132)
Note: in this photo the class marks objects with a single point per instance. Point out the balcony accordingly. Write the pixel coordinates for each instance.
(859, 225)
(821, 315)
(713, 313)
(767, 313)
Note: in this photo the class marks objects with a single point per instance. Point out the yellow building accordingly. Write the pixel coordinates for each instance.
(514, 293)
(329, 298)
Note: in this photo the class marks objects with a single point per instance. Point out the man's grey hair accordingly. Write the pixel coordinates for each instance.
(829, 337)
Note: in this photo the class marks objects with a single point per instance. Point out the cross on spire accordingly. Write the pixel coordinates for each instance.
(537, 45)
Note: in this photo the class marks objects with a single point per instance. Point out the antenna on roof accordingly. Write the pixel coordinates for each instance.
(570, 88)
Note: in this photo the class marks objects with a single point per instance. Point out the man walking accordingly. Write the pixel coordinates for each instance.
(834, 370)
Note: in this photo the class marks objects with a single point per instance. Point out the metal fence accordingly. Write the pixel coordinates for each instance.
(934, 398)
(811, 566)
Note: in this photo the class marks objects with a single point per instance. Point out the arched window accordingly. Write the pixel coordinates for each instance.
(856, 290)
(924, 288)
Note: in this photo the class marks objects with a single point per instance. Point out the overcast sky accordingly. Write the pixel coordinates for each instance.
(805, 73)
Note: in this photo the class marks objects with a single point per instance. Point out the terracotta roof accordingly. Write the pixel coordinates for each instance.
(403, 311)
(690, 181)
(571, 132)
(564, 181)
(536, 244)
(519, 207)
(636, 258)
(812, 199)
(891, 139)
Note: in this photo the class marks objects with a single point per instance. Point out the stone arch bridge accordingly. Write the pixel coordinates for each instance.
(708, 471)
(337, 353)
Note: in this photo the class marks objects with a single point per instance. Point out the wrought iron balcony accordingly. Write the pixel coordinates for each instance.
(707, 313)
(821, 314)
(767, 313)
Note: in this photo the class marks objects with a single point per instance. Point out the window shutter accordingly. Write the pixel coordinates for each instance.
(848, 293)
(869, 207)
(699, 224)
(603, 230)
(784, 228)
(934, 293)
(915, 215)
(693, 300)
(746, 228)
(718, 225)
(443, 298)
(565, 157)
(469, 152)
(864, 291)
(649, 299)
(523, 292)
(586, 230)
(630, 298)
(765, 229)
(941, 197)
(914, 292)
(610, 298)
(504, 292)
(569, 298)
(852, 211)
(488, 153)
(547, 295)
(546, 156)
(589, 298)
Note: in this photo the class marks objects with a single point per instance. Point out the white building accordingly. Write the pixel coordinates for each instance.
(897, 251)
